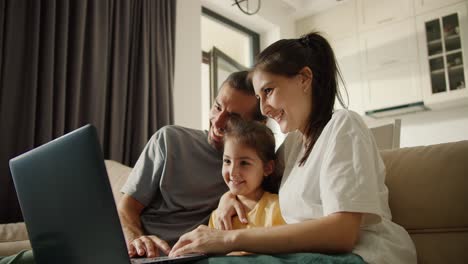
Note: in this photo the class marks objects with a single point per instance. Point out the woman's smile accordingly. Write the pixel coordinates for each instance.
(277, 116)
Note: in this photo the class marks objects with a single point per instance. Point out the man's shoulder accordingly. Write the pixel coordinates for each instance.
(175, 131)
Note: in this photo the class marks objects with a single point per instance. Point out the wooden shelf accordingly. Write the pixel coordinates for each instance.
(456, 68)
(452, 37)
(434, 42)
(438, 71)
(453, 51)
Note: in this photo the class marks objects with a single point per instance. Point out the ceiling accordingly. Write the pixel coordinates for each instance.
(273, 9)
(303, 8)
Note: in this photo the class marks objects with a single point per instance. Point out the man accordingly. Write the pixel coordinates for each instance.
(177, 182)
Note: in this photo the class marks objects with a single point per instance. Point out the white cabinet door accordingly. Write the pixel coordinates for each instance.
(348, 58)
(390, 68)
(422, 6)
(443, 42)
(390, 45)
(392, 87)
(375, 13)
(335, 23)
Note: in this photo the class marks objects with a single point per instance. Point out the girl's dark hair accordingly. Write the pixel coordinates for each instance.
(287, 57)
(241, 81)
(259, 137)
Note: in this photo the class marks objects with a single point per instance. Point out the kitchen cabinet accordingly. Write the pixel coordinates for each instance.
(423, 6)
(390, 70)
(376, 13)
(443, 42)
(336, 23)
(348, 58)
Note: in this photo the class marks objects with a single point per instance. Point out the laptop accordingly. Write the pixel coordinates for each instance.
(67, 203)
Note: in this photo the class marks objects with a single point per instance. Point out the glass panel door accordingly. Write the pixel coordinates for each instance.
(434, 38)
(437, 68)
(455, 71)
(456, 78)
(445, 54)
(435, 52)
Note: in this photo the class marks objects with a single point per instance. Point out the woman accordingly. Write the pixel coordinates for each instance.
(332, 194)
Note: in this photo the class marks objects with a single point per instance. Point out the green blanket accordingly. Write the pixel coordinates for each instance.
(26, 257)
(302, 258)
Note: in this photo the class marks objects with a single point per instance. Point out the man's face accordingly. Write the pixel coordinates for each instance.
(229, 102)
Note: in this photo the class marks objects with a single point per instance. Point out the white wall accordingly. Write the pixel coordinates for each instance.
(187, 75)
(433, 127)
(272, 23)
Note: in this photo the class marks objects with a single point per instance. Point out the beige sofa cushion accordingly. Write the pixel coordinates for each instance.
(428, 195)
(443, 247)
(428, 186)
(118, 174)
(13, 238)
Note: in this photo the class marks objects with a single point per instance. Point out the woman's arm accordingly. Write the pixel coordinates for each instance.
(228, 207)
(335, 233)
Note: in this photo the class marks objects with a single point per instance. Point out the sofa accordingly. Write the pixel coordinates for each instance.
(428, 195)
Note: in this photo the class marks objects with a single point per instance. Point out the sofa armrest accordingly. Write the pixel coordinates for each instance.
(118, 174)
(13, 238)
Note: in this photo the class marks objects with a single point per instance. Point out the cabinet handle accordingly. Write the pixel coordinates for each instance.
(388, 62)
(385, 20)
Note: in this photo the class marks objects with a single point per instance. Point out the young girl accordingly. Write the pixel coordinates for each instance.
(332, 194)
(250, 173)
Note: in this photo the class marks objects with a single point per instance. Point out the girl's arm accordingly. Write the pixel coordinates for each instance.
(335, 233)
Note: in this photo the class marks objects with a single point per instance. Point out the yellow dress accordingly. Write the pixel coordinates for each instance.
(265, 213)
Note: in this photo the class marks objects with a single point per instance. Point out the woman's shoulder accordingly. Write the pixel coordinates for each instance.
(345, 115)
(347, 121)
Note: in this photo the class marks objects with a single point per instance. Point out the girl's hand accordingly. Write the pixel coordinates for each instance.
(204, 240)
(228, 207)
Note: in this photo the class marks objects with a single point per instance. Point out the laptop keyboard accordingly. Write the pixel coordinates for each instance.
(165, 259)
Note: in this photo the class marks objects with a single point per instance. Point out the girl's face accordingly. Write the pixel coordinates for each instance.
(287, 100)
(243, 170)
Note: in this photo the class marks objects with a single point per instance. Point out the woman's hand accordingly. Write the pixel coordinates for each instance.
(204, 240)
(228, 207)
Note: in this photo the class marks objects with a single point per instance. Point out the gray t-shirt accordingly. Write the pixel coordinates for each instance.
(178, 178)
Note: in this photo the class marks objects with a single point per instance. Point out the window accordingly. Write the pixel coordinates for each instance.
(226, 47)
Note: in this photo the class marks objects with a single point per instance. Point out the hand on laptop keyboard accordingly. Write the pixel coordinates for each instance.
(148, 246)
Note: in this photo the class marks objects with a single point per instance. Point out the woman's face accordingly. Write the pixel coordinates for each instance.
(287, 100)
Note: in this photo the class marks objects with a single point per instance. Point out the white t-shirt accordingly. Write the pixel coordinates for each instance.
(344, 173)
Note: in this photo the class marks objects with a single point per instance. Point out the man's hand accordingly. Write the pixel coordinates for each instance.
(138, 243)
(148, 246)
(228, 207)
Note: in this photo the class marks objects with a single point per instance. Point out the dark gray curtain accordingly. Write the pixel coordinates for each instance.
(67, 63)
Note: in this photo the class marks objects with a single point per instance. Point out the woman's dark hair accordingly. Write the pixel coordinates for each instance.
(241, 81)
(287, 57)
(259, 137)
